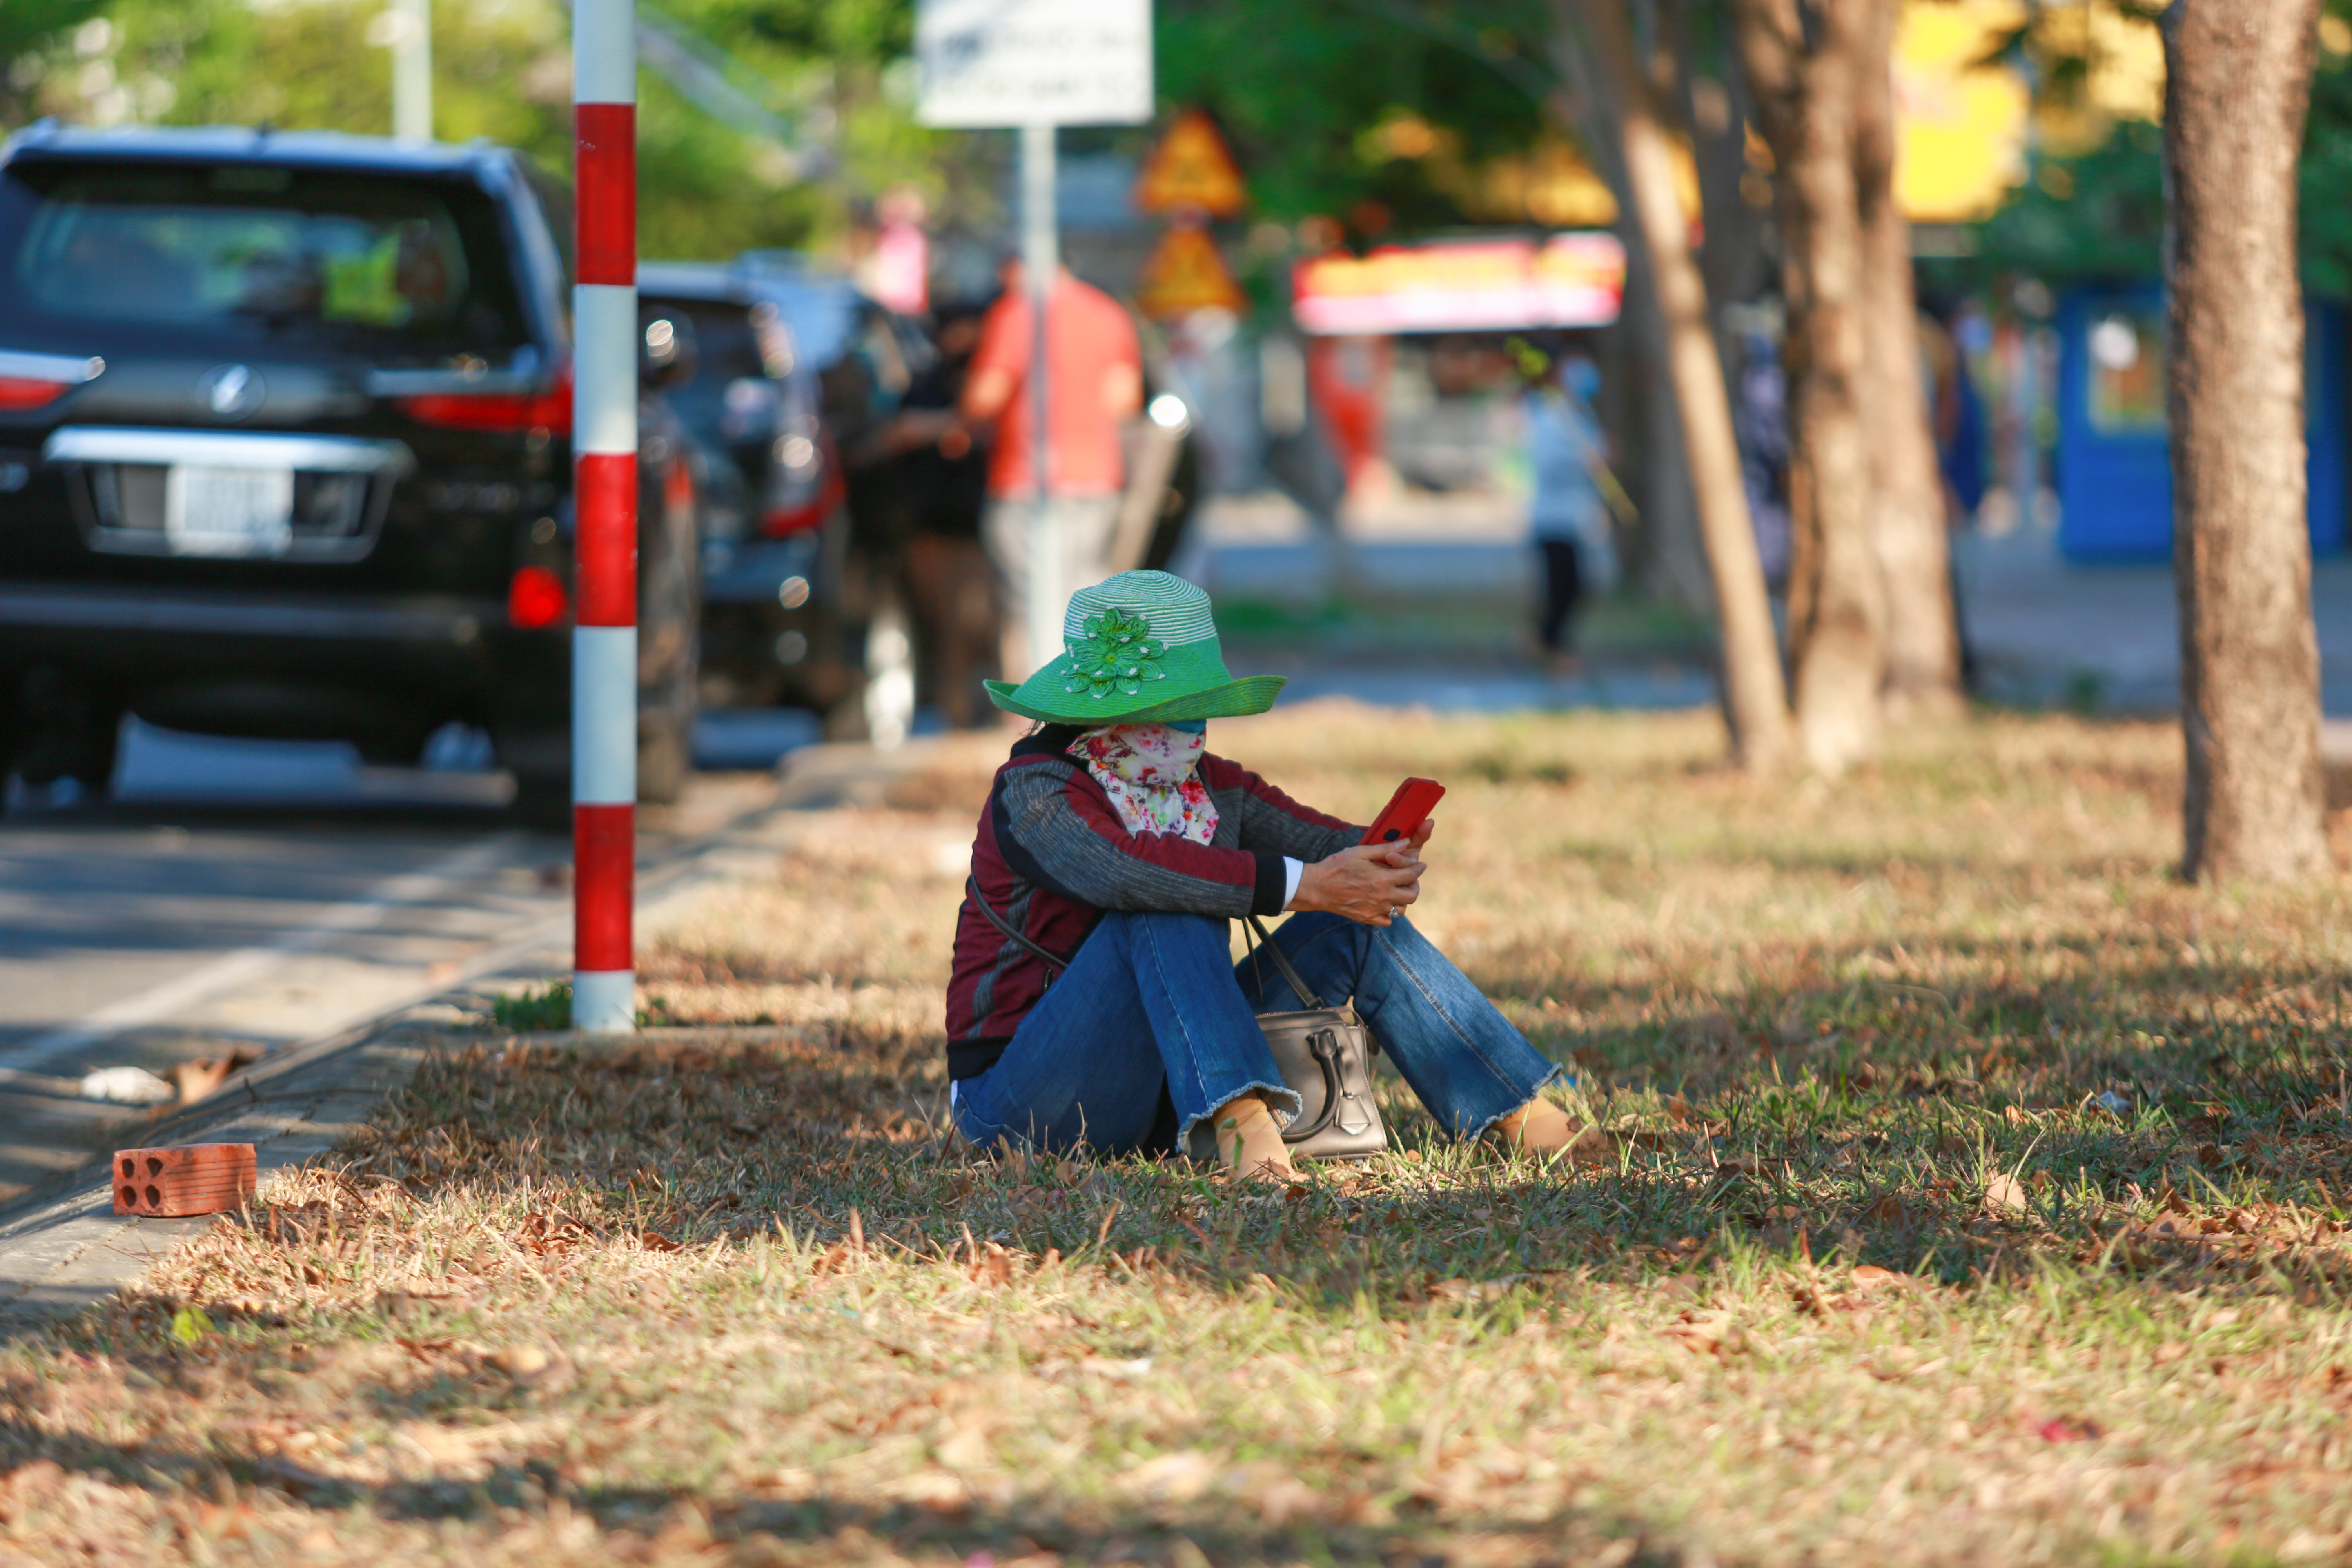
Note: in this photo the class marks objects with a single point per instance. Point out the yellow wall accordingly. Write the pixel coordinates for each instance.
(1962, 131)
(1965, 126)
(1961, 128)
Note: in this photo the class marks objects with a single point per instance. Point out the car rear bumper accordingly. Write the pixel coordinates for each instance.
(761, 570)
(41, 613)
(177, 649)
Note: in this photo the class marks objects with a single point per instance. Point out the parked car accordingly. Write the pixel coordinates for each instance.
(771, 627)
(798, 371)
(284, 452)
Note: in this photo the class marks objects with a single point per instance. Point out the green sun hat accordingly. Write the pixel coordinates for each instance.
(1142, 648)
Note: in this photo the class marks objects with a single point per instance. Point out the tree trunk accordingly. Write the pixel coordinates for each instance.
(1652, 458)
(1673, 546)
(1906, 522)
(1802, 57)
(1738, 249)
(2237, 84)
(1754, 698)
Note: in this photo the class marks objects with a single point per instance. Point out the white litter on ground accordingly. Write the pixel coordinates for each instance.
(128, 1086)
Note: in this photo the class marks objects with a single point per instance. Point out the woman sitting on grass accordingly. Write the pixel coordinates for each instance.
(1111, 855)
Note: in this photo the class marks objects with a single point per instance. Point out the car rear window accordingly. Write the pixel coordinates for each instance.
(390, 266)
(731, 344)
(725, 345)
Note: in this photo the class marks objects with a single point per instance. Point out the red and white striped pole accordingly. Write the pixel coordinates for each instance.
(604, 494)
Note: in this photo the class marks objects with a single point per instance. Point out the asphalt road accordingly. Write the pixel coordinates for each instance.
(243, 894)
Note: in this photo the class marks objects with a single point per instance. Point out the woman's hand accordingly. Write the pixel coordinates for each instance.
(1368, 881)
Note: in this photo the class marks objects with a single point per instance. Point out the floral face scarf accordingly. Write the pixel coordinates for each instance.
(1151, 773)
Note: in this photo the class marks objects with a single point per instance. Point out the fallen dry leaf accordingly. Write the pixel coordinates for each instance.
(1702, 1333)
(1270, 1487)
(1172, 1478)
(1871, 1276)
(2004, 1195)
(202, 1077)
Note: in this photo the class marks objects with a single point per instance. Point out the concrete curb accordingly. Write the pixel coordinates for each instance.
(67, 1251)
(63, 1250)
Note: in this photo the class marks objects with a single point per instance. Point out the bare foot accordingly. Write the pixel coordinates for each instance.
(1249, 1141)
(1543, 1129)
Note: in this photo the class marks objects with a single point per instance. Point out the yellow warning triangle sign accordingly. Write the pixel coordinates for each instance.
(1185, 274)
(1191, 168)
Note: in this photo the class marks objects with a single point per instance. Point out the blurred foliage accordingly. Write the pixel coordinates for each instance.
(2097, 215)
(1343, 107)
(27, 27)
(1390, 114)
(503, 70)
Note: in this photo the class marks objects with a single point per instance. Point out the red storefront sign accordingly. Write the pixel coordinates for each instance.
(1463, 286)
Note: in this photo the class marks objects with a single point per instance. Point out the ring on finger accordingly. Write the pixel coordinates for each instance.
(1396, 911)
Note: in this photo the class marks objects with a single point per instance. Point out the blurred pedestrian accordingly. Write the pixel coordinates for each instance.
(1960, 419)
(1094, 384)
(953, 600)
(1759, 421)
(1094, 1001)
(1567, 517)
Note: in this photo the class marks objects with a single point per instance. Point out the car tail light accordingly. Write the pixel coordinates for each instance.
(535, 599)
(514, 411)
(35, 381)
(28, 392)
(778, 522)
(678, 487)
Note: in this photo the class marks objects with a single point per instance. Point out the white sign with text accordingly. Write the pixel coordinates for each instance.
(984, 63)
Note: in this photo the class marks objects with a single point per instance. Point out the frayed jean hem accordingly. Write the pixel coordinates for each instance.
(1283, 1100)
(1558, 1075)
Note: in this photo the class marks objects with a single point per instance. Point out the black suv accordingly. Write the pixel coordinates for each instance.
(284, 452)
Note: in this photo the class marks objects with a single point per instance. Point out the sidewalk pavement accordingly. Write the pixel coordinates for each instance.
(2046, 632)
(2043, 632)
(63, 1250)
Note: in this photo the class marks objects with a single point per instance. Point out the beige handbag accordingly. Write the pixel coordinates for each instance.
(1326, 1056)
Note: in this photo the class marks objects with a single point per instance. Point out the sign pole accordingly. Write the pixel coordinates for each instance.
(412, 71)
(1041, 261)
(604, 498)
(1035, 65)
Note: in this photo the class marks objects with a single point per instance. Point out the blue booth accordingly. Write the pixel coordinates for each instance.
(2115, 475)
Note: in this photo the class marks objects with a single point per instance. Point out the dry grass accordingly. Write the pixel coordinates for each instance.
(1983, 1206)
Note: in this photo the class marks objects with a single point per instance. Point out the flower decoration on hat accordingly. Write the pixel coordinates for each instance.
(1118, 654)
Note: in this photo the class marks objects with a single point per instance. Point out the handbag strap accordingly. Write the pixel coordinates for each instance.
(1306, 993)
(1323, 1044)
(1005, 928)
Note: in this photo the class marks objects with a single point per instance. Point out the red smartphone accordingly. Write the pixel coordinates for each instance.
(1406, 810)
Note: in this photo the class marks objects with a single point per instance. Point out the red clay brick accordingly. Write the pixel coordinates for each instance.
(195, 1178)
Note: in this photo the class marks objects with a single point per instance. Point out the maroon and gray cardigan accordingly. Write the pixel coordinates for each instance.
(1052, 855)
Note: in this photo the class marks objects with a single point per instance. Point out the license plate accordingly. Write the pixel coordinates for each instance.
(228, 511)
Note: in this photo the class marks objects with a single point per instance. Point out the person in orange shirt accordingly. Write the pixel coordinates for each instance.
(1094, 383)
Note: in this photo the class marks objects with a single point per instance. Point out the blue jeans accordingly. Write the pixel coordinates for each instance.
(1153, 1001)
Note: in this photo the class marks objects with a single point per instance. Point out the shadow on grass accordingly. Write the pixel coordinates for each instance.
(811, 1159)
(211, 1488)
(1887, 1150)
